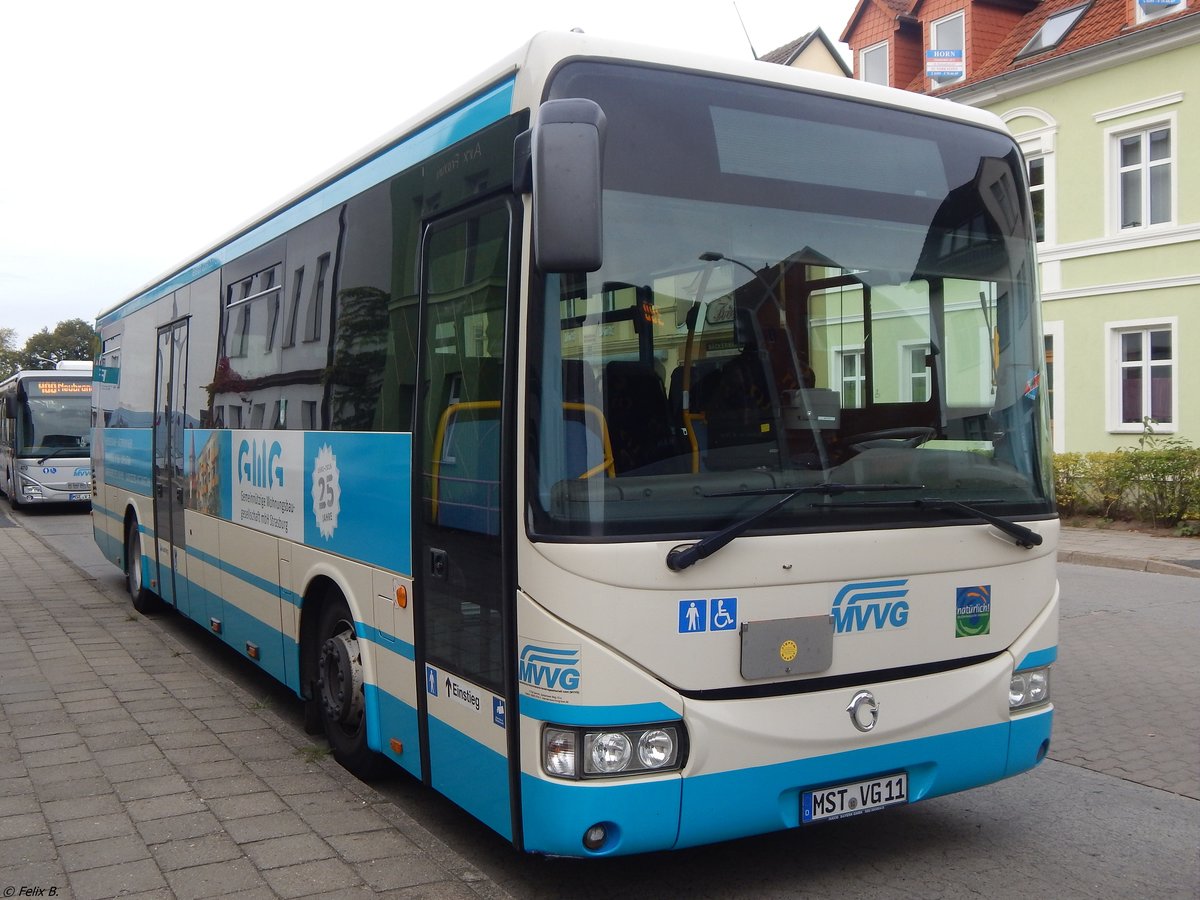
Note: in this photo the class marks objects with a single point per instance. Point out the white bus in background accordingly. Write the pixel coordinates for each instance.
(641, 449)
(45, 435)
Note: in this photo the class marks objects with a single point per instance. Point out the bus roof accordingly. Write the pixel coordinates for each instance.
(526, 70)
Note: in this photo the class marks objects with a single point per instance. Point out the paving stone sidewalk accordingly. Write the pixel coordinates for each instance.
(1130, 550)
(128, 767)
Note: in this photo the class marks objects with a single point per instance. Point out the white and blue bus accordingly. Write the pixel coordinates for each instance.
(45, 435)
(640, 449)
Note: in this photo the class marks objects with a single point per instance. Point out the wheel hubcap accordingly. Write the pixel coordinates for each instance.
(342, 679)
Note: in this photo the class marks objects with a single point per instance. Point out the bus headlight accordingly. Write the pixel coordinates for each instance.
(1029, 687)
(609, 752)
(618, 751)
(655, 748)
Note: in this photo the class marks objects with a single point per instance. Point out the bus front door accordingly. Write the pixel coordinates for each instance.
(462, 513)
(170, 484)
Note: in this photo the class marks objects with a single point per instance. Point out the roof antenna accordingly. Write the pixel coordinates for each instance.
(753, 52)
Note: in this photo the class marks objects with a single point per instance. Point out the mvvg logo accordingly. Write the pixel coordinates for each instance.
(867, 605)
(551, 666)
(259, 465)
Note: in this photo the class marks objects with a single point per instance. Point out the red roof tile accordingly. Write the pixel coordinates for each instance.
(1103, 21)
(895, 7)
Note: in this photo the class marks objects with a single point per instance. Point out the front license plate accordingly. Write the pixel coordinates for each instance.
(853, 799)
(87, 496)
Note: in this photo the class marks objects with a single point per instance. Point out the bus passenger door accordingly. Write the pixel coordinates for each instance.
(170, 484)
(462, 512)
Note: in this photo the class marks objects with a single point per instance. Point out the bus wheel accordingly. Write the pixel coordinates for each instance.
(144, 600)
(340, 693)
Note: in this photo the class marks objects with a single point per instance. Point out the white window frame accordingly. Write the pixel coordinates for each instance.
(933, 45)
(1043, 190)
(1112, 167)
(887, 62)
(859, 380)
(1141, 15)
(906, 374)
(1039, 144)
(1114, 367)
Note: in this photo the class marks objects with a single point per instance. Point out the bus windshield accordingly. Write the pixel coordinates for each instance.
(55, 419)
(797, 290)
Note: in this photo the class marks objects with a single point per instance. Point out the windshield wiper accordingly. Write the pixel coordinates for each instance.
(1025, 537)
(680, 558)
(65, 451)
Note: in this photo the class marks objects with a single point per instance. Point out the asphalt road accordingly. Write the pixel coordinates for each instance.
(1115, 811)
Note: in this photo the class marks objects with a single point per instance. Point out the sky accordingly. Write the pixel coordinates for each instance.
(134, 134)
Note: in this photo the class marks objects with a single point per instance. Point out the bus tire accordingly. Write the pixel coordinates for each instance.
(340, 695)
(143, 598)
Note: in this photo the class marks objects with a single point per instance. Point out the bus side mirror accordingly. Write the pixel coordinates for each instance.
(10, 407)
(567, 150)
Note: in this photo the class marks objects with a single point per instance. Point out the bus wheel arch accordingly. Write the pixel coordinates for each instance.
(333, 675)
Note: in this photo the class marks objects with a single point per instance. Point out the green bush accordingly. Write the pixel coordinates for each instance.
(1157, 482)
(1070, 475)
(1110, 477)
(1165, 481)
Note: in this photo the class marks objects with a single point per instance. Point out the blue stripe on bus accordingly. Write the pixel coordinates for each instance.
(623, 714)
(106, 512)
(385, 640)
(1035, 658)
(110, 544)
(258, 581)
(472, 775)
(279, 653)
(367, 632)
(643, 815)
(484, 109)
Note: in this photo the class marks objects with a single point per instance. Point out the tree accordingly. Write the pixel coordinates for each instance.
(9, 355)
(72, 339)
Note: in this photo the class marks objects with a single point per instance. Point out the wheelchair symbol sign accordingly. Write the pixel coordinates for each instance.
(722, 613)
(700, 615)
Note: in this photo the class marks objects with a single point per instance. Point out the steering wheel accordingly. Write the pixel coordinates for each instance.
(910, 436)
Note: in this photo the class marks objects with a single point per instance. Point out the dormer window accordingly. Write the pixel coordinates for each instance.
(1149, 10)
(873, 64)
(1053, 30)
(945, 61)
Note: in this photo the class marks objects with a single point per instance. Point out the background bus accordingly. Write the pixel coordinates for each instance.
(45, 435)
(640, 449)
